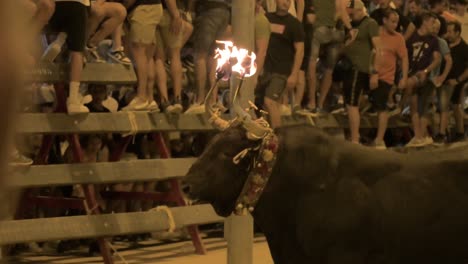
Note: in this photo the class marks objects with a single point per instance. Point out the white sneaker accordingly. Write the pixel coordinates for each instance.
(54, 49)
(195, 109)
(177, 108)
(428, 140)
(76, 107)
(136, 105)
(118, 56)
(416, 142)
(285, 110)
(380, 145)
(153, 106)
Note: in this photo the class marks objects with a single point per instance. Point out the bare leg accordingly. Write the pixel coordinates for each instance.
(141, 64)
(161, 75)
(201, 73)
(312, 84)
(117, 38)
(273, 109)
(382, 126)
(354, 123)
(299, 93)
(176, 71)
(424, 124)
(116, 14)
(325, 86)
(458, 115)
(415, 117)
(151, 74)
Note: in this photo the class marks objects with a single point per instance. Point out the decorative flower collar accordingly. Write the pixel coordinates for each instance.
(259, 175)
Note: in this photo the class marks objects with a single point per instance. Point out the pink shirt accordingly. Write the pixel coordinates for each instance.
(393, 48)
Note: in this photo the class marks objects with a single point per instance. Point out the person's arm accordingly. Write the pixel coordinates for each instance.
(300, 9)
(404, 69)
(176, 19)
(298, 57)
(375, 62)
(436, 59)
(261, 47)
(342, 11)
(409, 31)
(438, 80)
(463, 77)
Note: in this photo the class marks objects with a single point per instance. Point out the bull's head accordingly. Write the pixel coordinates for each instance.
(215, 178)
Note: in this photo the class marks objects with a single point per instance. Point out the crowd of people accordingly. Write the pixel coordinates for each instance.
(314, 57)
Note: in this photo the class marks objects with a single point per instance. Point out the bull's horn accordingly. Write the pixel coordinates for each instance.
(213, 114)
(256, 129)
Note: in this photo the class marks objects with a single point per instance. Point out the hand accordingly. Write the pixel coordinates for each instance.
(292, 81)
(352, 34)
(176, 24)
(403, 83)
(452, 82)
(438, 80)
(422, 76)
(374, 81)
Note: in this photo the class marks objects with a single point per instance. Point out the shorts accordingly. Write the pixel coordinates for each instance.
(144, 20)
(71, 18)
(458, 93)
(354, 84)
(208, 25)
(444, 94)
(165, 38)
(330, 39)
(379, 96)
(425, 94)
(271, 85)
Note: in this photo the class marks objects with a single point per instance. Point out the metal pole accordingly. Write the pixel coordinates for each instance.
(239, 229)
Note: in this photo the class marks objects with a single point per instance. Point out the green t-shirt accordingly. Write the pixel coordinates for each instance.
(262, 27)
(359, 52)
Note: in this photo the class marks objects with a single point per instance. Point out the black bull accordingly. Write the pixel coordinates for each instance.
(328, 201)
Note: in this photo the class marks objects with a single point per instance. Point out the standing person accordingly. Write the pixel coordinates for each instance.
(363, 75)
(144, 16)
(70, 19)
(328, 34)
(283, 60)
(405, 26)
(415, 10)
(105, 18)
(438, 77)
(461, 15)
(393, 51)
(211, 21)
(173, 32)
(458, 76)
(424, 56)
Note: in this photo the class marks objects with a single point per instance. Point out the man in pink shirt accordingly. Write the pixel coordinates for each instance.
(393, 49)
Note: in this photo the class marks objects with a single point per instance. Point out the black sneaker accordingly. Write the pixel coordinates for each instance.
(458, 137)
(440, 139)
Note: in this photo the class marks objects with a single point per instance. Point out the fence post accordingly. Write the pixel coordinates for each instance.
(238, 231)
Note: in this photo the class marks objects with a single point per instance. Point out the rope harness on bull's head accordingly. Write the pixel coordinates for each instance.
(260, 172)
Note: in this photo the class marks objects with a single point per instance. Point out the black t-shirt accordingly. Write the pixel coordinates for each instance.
(181, 4)
(460, 60)
(285, 31)
(403, 23)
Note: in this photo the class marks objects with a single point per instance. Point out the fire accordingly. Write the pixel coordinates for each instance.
(232, 59)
